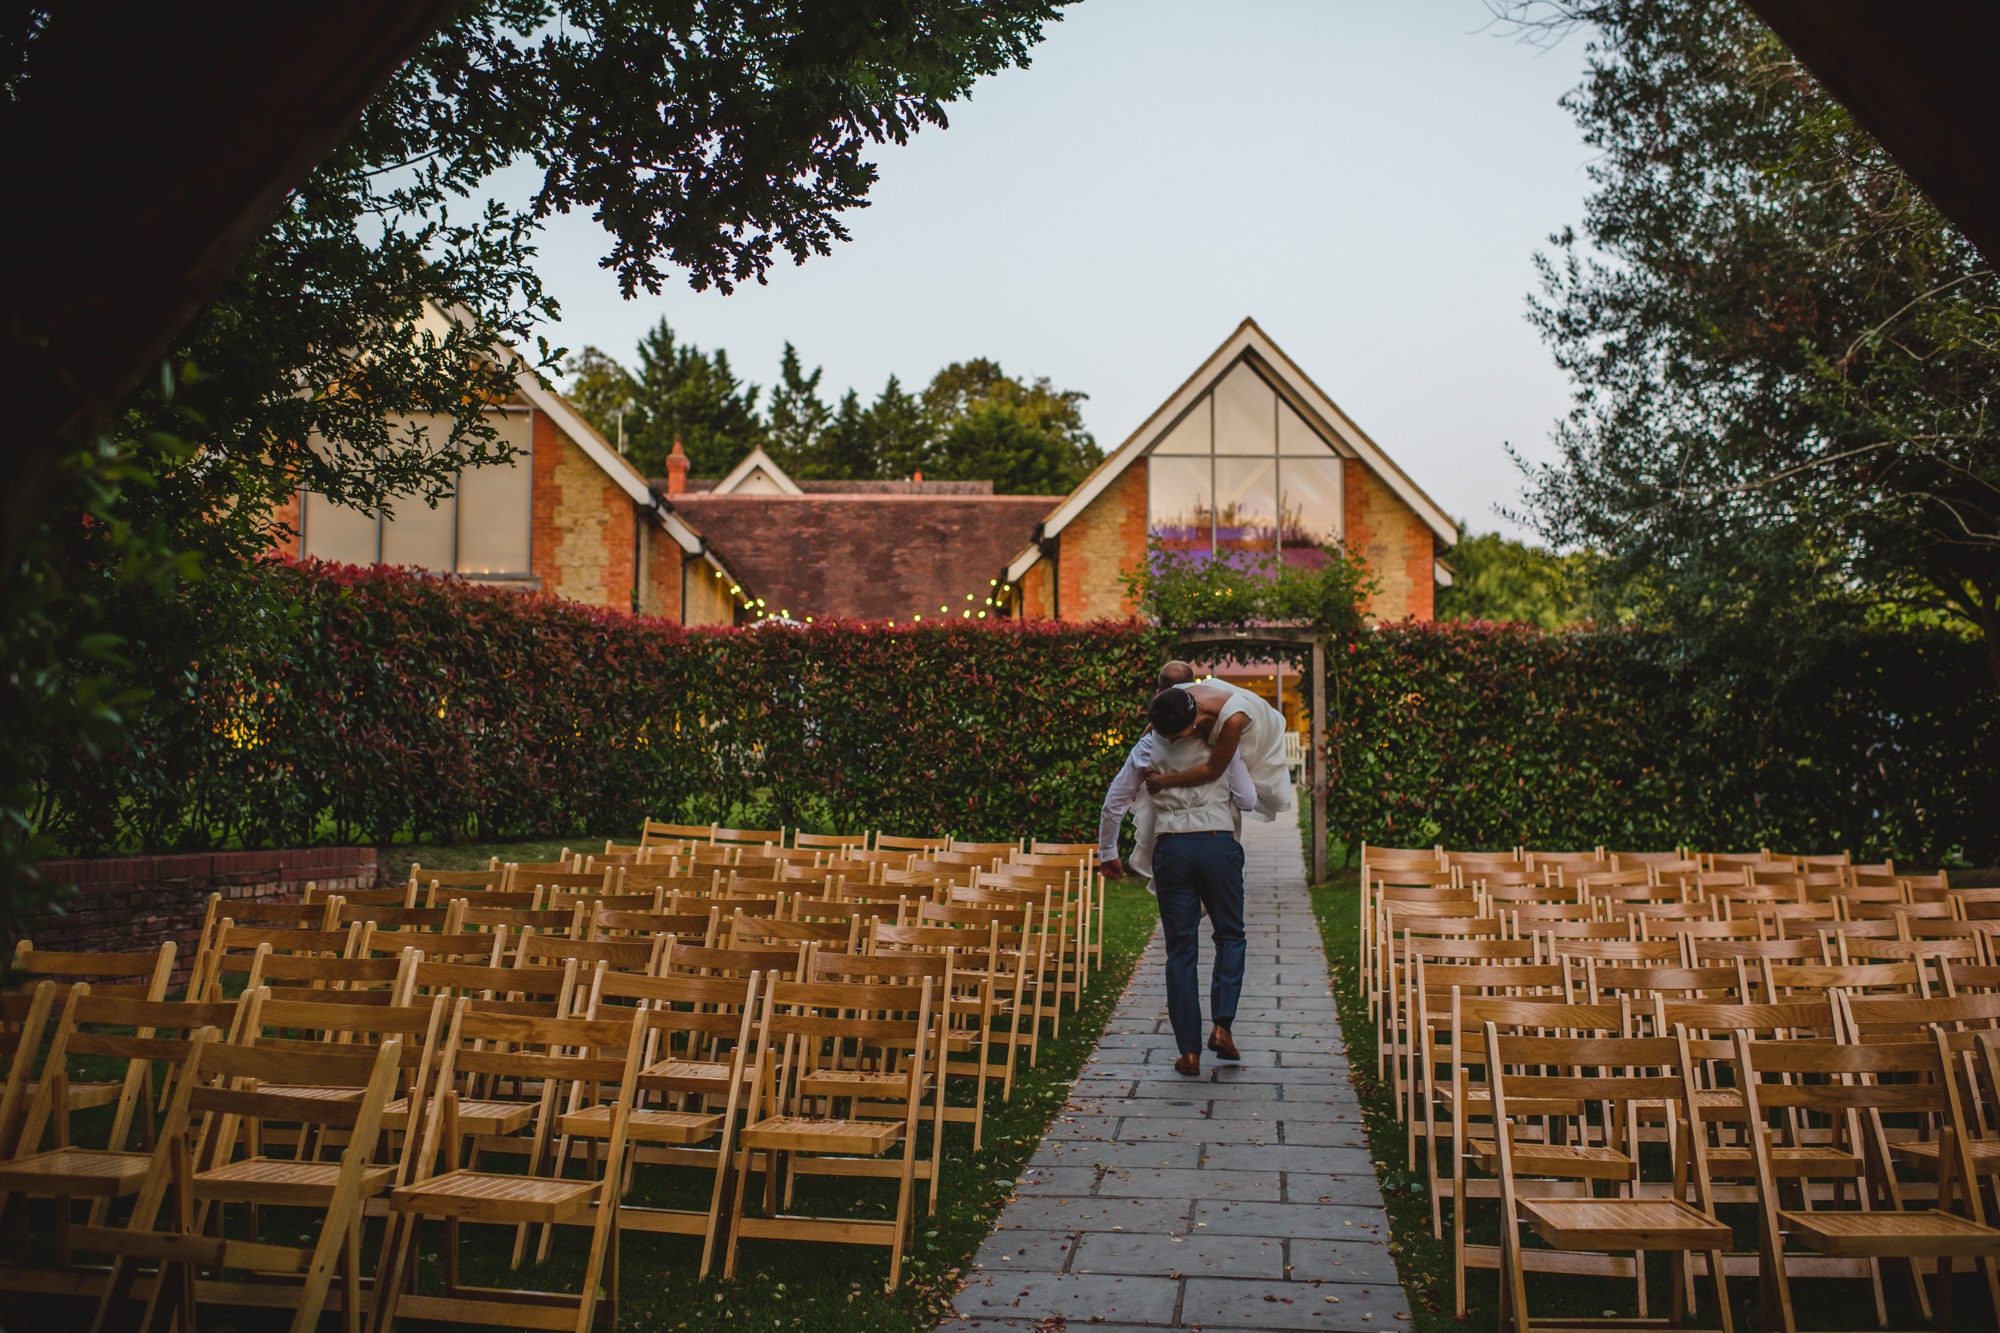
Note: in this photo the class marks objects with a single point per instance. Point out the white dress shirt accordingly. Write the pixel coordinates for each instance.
(1128, 793)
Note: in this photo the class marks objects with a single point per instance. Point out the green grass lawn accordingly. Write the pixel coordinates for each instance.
(1424, 1263)
(786, 1286)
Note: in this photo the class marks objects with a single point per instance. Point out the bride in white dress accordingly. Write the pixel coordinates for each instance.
(1234, 722)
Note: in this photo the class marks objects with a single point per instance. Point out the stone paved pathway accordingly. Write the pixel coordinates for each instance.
(1245, 1199)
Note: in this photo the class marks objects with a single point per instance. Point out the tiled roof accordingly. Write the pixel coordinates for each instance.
(703, 485)
(866, 557)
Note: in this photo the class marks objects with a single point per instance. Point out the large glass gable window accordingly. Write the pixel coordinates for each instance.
(481, 530)
(1242, 475)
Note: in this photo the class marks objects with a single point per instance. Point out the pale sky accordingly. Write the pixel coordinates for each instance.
(1368, 180)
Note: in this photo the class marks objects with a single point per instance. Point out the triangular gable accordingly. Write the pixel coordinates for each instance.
(1306, 397)
(595, 447)
(754, 462)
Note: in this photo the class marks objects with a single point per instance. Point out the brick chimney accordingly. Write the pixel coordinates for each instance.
(677, 470)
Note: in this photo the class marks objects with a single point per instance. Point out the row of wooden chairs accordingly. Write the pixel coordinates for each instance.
(1567, 1100)
(1469, 985)
(1599, 877)
(756, 1036)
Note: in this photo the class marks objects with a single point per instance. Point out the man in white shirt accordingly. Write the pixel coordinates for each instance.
(1187, 844)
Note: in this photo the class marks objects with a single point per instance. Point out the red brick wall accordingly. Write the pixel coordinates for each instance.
(1038, 591)
(582, 524)
(1398, 545)
(660, 590)
(545, 539)
(134, 902)
(1099, 546)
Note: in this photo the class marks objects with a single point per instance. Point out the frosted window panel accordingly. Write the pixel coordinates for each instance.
(1310, 490)
(419, 536)
(1190, 433)
(1246, 502)
(1244, 413)
(495, 506)
(1295, 436)
(1182, 515)
(336, 532)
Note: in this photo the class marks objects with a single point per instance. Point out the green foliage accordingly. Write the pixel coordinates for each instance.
(374, 704)
(1784, 356)
(973, 423)
(679, 393)
(1882, 743)
(797, 418)
(1181, 590)
(1497, 579)
(989, 424)
(708, 136)
(331, 703)
(997, 442)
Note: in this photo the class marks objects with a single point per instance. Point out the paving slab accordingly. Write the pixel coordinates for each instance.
(1244, 1198)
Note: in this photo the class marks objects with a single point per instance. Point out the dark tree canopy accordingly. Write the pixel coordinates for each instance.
(1496, 578)
(1784, 356)
(973, 423)
(711, 138)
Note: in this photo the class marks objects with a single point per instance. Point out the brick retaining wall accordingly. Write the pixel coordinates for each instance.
(134, 902)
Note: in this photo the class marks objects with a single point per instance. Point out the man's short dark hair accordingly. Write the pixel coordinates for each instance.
(1175, 673)
(1172, 712)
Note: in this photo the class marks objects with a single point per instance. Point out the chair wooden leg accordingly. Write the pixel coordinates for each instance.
(399, 1244)
(736, 1217)
(350, 1279)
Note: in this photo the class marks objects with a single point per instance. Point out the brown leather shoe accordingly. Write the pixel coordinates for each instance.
(1189, 1065)
(1219, 1042)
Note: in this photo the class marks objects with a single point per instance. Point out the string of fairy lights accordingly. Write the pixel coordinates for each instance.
(998, 597)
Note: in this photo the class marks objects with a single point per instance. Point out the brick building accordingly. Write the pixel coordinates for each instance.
(1248, 455)
(567, 516)
(900, 551)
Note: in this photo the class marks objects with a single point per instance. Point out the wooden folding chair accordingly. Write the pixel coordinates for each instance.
(988, 1004)
(1431, 1036)
(229, 1085)
(24, 1015)
(820, 1046)
(140, 975)
(691, 1088)
(1851, 1086)
(1652, 1070)
(653, 832)
(640, 955)
(317, 913)
(142, 1033)
(721, 836)
(835, 842)
(744, 931)
(892, 842)
(941, 969)
(579, 1062)
(1021, 947)
(1472, 1124)
(433, 888)
(232, 949)
(696, 960)
(682, 927)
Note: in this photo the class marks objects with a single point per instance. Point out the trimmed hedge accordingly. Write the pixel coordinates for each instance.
(370, 704)
(1881, 743)
(377, 703)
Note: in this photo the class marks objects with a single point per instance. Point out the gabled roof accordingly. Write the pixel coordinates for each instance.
(752, 463)
(615, 465)
(1248, 342)
(867, 556)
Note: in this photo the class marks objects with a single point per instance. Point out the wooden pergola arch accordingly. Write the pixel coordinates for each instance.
(1287, 636)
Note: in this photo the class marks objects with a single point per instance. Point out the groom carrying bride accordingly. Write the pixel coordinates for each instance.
(1206, 758)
